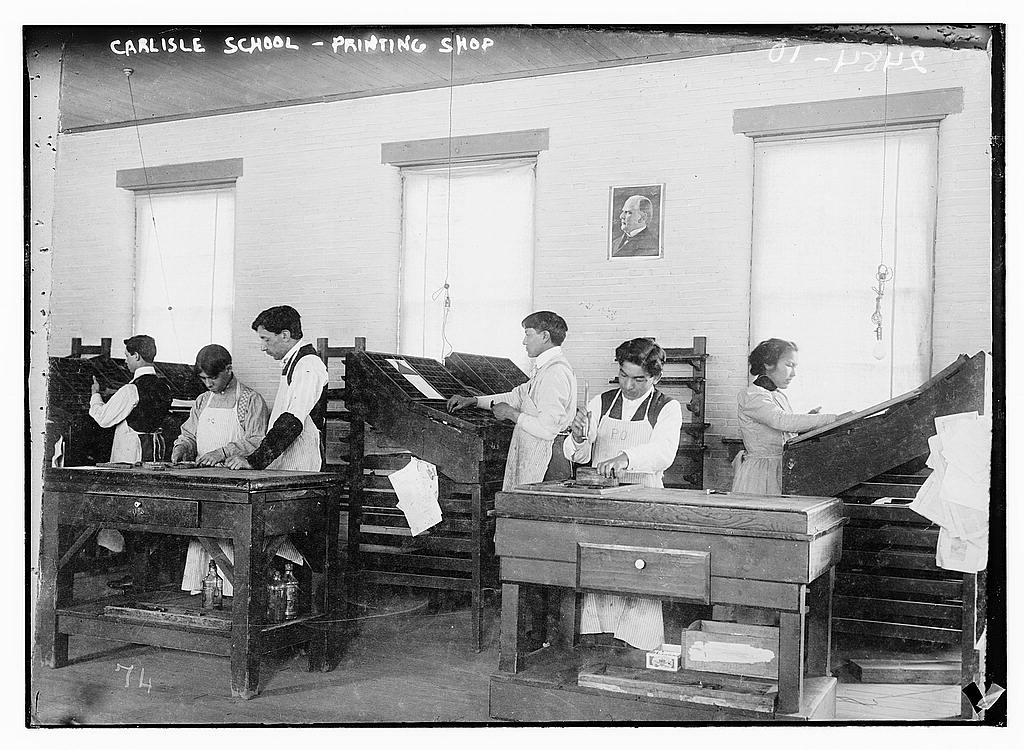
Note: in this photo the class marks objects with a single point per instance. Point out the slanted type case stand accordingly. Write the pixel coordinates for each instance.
(468, 447)
(887, 582)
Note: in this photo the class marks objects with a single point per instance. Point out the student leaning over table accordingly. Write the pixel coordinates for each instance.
(293, 442)
(631, 432)
(229, 419)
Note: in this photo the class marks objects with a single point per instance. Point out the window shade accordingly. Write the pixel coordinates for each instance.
(826, 213)
(184, 270)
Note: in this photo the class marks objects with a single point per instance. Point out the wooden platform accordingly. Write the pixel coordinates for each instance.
(553, 689)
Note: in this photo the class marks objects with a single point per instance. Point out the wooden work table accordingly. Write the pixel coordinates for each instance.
(774, 553)
(254, 509)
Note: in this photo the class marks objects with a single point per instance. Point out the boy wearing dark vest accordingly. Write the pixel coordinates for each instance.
(293, 441)
(135, 411)
(631, 432)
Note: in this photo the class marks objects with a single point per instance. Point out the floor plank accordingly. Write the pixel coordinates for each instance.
(417, 668)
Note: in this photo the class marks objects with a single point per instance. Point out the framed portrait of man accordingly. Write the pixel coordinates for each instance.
(635, 221)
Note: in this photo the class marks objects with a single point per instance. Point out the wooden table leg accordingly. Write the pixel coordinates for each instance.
(249, 602)
(819, 625)
(791, 658)
(567, 618)
(55, 589)
(511, 644)
(323, 648)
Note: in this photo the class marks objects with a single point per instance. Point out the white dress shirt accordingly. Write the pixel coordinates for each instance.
(126, 445)
(298, 399)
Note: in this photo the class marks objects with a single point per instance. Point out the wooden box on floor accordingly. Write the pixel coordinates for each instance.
(732, 648)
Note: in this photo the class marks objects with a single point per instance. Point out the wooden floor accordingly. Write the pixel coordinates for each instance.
(403, 663)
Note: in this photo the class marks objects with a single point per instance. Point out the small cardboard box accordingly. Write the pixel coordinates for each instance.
(732, 648)
(666, 657)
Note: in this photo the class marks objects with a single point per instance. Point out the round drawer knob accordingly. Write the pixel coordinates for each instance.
(639, 564)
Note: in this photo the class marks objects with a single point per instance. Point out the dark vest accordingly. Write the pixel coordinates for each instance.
(319, 412)
(657, 399)
(154, 404)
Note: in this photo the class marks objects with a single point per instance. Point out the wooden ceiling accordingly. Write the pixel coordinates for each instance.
(314, 64)
(166, 85)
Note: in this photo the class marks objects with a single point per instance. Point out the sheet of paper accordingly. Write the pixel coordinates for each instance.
(415, 378)
(964, 555)
(416, 487)
(58, 453)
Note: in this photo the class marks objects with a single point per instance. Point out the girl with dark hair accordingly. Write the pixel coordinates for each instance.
(228, 419)
(630, 432)
(767, 420)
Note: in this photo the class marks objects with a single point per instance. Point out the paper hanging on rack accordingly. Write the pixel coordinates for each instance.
(58, 453)
(416, 487)
(415, 378)
(956, 494)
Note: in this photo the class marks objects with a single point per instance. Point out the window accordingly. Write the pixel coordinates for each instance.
(471, 224)
(826, 213)
(184, 269)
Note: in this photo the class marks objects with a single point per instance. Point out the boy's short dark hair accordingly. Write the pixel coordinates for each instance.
(280, 318)
(545, 320)
(643, 352)
(143, 345)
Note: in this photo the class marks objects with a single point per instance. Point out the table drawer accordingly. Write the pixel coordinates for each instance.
(134, 510)
(645, 570)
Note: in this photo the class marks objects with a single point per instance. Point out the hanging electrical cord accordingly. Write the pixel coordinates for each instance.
(444, 291)
(883, 274)
(213, 264)
(892, 275)
(152, 212)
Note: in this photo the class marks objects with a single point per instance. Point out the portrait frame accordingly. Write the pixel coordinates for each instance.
(652, 247)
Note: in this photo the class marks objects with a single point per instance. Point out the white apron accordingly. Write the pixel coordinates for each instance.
(528, 455)
(217, 427)
(637, 620)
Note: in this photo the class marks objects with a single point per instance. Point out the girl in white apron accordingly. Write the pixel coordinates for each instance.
(217, 426)
(636, 432)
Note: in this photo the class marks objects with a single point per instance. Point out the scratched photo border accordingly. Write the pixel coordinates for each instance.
(788, 36)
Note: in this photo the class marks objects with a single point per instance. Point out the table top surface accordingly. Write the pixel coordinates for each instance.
(673, 507)
(211, 478)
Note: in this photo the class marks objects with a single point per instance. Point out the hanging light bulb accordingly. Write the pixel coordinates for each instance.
(883, 274)
(879, 349)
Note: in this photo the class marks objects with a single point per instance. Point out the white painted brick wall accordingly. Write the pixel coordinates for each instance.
(318, 222)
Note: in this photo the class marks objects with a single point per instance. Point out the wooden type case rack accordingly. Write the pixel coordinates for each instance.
(69, 388)
(468, 448)
(888, 584)
(776, 553)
